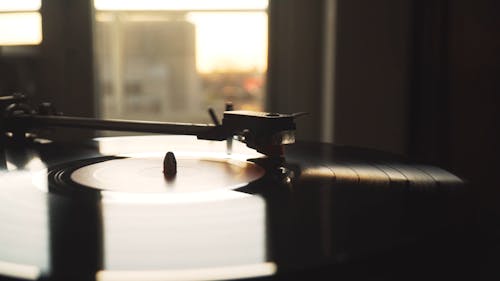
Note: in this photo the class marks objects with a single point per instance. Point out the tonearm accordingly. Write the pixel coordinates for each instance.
(262, 131)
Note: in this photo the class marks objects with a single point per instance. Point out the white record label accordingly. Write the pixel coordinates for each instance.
(145, 174)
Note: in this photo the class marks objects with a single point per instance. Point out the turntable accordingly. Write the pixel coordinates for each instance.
(192, 204)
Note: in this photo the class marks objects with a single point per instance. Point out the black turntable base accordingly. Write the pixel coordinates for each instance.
(105, 210)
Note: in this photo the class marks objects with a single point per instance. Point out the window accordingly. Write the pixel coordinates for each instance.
(170, 60)
(20, 22)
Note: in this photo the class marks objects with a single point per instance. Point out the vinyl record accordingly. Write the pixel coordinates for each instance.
(104, 210)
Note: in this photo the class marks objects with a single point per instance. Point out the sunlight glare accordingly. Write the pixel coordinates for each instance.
(230, 41)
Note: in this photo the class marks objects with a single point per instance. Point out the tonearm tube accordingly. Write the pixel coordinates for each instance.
(262, 131)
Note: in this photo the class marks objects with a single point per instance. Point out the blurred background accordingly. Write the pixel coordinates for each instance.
(153, 60)
(420, 78)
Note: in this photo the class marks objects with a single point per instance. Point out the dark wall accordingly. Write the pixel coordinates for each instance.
(474, 95)
(474, 115)
(455, 92)
(295, 62)
(372, 74)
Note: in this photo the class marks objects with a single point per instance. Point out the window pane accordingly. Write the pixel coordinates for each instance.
(19, 5)
(20, 22)
(20, 28)
(173, 63)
